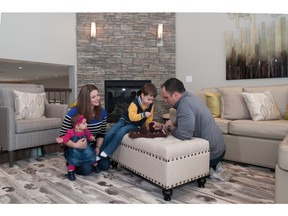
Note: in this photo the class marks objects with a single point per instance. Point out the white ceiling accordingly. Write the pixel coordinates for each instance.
(10, 71)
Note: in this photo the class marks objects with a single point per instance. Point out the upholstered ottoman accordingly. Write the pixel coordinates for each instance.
(166, 161)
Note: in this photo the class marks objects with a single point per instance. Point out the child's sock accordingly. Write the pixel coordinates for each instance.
(103, 154)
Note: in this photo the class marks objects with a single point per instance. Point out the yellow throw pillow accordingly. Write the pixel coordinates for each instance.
(286, 114)
(213, 103)
(73, 104)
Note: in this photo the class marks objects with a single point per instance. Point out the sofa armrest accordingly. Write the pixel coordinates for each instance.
(56, 110)
(7, 125)
(283, 154)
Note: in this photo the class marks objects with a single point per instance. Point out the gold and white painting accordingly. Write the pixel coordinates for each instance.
(257, 49)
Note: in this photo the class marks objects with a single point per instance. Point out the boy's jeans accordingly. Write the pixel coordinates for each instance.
(115, 135)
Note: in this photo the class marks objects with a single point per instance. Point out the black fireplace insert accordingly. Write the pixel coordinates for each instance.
(119, 94)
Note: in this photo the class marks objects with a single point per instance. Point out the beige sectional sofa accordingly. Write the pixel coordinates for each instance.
(249, 141)
(281, 173)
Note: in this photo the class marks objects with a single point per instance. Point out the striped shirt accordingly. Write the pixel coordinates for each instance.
(96, 127)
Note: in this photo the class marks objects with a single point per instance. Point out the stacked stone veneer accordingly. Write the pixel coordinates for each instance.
(125, 49)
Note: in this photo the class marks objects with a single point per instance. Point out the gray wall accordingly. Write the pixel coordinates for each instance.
(200, 50)
(200, 45)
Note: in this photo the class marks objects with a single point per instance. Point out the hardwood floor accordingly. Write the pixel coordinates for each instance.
(41, 180)
(30, 152)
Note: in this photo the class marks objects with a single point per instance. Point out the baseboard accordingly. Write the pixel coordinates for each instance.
(30, 152)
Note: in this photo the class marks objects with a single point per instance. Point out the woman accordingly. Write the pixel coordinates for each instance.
(88, 105)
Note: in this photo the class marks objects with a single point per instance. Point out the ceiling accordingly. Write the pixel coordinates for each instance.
(23, 71)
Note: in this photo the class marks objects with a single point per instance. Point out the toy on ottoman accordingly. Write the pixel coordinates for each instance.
(175, 162)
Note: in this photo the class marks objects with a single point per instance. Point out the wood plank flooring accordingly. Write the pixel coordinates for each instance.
(41, 180)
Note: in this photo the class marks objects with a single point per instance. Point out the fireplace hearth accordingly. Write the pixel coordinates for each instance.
(118, 95)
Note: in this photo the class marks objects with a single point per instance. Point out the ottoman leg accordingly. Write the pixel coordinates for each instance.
(167, 193)
(201, 182)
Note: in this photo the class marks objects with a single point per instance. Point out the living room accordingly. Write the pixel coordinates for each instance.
(197, 42)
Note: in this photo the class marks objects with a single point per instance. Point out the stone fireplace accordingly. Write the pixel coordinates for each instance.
(125, 50)
(118, 96)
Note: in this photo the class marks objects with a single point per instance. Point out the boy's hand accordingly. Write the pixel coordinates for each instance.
(92, 138)
(148, 114)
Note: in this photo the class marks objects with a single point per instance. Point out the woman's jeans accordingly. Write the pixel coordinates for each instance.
(115, 135)
(86, 168)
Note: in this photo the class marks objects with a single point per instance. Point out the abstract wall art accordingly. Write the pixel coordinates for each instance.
(257, 50)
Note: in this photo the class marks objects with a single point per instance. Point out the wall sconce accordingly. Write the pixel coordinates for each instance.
(93, 32)
(160, 35)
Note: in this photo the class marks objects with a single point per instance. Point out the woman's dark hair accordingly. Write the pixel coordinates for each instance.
(84, 105)
(173, 85)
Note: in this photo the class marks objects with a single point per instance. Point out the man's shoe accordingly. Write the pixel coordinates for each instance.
(71, 175)
(224, 176)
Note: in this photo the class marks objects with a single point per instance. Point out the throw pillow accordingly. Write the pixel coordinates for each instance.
(286, 114)
(233, 106)
(29, 105)
(213, 103)
(261, 106)
(172, 115)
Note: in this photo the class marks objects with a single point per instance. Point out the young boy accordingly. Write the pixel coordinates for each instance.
(140, 112)
(74, 156)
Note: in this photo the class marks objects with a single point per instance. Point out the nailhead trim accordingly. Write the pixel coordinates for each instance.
(160, 184)
(164, 159)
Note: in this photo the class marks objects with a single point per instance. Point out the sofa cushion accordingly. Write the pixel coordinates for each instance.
(233, 105)
(29, 105)
(223, 124)
(30, 125)
(261, 106)
(213, 102)
(272, 129)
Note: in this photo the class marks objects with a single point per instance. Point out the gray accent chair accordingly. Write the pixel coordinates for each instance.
(18, 134)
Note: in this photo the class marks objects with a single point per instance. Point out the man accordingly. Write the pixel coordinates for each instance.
(194, 119)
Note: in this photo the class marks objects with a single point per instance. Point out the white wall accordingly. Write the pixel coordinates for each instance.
(200, 45)
(200, 51)
(40, 37)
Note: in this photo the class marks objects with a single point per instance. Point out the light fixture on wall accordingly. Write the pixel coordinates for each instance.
(160, 35)
(93, 32)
